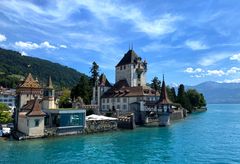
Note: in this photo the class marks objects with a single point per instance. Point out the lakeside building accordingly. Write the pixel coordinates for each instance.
(130, 94)
(37, 113)
(8, 97)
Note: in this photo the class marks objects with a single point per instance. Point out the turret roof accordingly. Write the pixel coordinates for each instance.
(36, 109)
(128, 58)
(163, 96)
(29, 82)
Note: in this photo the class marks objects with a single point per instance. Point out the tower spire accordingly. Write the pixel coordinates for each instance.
(50, 85)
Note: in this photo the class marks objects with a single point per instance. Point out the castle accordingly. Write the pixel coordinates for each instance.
(130, 94)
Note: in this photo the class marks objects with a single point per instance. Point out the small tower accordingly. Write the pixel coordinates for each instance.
(164, 105)
(48, 99)
(28, 90)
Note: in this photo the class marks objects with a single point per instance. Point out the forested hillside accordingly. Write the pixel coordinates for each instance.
(14, 66)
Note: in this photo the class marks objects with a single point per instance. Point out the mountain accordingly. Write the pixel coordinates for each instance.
(226, 93)
(14, 66)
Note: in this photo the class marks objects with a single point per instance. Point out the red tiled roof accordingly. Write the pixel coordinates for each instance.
(29, 82)
(122, 89)
(35, 110)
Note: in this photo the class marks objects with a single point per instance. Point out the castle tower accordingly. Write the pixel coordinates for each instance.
(28, 90)
(48, 99)
(132, 69)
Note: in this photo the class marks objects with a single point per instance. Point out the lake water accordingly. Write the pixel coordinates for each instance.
(209, 137)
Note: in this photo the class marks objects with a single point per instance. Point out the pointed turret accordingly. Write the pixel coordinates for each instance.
(49, 84)
(163, 96)
(103, 81)
(35, 110)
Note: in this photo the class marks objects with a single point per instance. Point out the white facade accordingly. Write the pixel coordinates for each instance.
(129, 72)
(123, 103)
(31, 126)
(8, 97)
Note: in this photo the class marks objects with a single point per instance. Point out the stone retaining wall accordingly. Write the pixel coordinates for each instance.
(126, 121)
(95, 126)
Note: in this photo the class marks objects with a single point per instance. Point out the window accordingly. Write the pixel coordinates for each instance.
(124, 67)
(113, 100)
(121, 68)
(27, 122)
(5, 96)
(103, 100)
(118, 106)
(36, 122)
(103, 106)
(118, 99)
(124, 106)
(107, 100)
(124, 100)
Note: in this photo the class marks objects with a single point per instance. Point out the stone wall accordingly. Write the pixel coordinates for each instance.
(95, 126)
(176, 115)
(126, 122)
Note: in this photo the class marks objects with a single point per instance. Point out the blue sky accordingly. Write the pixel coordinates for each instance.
(190, 41)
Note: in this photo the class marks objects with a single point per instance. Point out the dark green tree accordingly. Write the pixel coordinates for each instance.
(174, 94)
(194, 97)
(83, 90)
(171, 94)
(156, 84)
(183, 99)
(202, 101)
(94, 73)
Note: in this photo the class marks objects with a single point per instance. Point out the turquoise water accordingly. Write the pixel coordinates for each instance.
(209, 137)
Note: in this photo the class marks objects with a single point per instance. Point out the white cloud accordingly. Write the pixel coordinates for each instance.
(26, 45)
(215, 72)
(230, 81)
(235, 57)
(63, 46)
(192, 70)
(213, 58)
(32, 46)
(2, 38)
(233, 70)
(196, 45)
(47, 45)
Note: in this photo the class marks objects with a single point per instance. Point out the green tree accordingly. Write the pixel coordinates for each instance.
(174, 94)
(202, 101)
(171, 93)
(156, 84)
(5, 115)
(65, 100)
(94, 73)
(194, 97)
(183, 99)
(82, 89)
